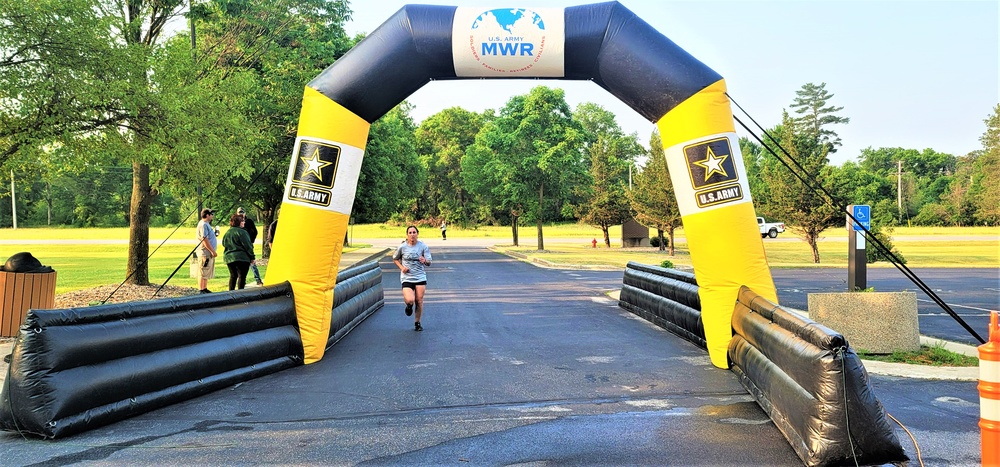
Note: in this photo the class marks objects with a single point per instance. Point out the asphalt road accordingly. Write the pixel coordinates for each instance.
(516, 365)
(969, 292)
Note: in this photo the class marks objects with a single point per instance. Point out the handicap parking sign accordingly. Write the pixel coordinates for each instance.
(863, 216)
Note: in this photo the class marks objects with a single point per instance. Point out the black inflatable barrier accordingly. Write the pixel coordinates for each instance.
(665, 297)
(79, 368)
(811, 384)
(356, 296)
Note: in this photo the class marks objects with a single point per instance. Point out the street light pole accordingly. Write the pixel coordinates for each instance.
(13, 199)
(194, 58)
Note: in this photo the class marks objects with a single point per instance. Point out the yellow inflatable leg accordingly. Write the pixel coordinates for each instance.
(709, 178)
(319, 194)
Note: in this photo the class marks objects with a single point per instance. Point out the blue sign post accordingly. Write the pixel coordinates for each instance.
(859, 220)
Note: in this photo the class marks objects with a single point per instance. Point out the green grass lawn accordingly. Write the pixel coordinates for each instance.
(88, 265)
(85, 266)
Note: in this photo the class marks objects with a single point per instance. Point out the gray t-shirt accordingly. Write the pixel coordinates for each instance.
(410, 257)
(205, 230)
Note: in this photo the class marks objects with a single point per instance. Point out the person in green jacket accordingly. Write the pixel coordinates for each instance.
(239, 252)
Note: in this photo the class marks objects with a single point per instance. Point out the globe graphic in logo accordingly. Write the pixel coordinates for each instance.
(508, 40)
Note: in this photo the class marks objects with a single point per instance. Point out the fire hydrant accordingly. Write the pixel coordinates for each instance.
(594, 242)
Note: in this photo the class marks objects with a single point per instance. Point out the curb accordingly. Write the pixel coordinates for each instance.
(549, 264)
(369, 258)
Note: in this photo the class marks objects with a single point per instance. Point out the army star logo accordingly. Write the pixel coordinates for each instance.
(710, 163)
(713, 164)
(314, 164)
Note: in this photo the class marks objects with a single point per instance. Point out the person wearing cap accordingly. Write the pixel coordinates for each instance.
(248, 224)
(206, 250)
(251, 229)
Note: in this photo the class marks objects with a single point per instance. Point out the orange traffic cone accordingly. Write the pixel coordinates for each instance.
(989, 394)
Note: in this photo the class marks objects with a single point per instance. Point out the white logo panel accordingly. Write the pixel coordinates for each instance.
(323, 175)
(509, 42)
(708, 173)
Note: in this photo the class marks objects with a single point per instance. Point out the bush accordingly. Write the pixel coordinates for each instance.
(666, 264)
(873, 254)
(654, 241)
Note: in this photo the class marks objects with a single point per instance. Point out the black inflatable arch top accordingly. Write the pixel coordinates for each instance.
(605, 43)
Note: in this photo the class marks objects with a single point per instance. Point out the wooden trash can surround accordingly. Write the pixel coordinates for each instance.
(20, 292)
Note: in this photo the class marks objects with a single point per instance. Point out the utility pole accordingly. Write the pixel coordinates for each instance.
(899, 190)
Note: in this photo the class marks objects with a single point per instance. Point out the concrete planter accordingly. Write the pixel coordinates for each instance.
(876, 322)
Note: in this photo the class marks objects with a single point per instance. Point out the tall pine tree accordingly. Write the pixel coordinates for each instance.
(652, 196)
(816, 115)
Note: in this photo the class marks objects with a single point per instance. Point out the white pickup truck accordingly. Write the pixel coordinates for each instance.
(770, 229)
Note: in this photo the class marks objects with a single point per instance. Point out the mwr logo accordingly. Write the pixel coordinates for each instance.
(316, 164)
(710, 163)
(508, 40)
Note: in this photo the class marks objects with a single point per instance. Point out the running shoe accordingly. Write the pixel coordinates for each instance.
(409, 309)
(417, 326)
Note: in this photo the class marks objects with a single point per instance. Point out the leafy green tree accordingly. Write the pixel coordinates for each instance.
(441, 142)
(914, 177)
(532, 152)
(96, 77)
(754, 160)
(391, 174)
(985, 186)
(805, 209)
(55, 72)
(608, 204)
(612, 157)
(275, 47)
(958, 201)
(816, 115)
(652, 196)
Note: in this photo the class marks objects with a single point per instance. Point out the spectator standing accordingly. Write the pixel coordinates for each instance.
(271, 230)
(248, 224)
(206, 251)
(444, 230)
(239, 252)
(251, 228)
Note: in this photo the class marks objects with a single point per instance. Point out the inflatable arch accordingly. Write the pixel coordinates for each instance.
(604, 43)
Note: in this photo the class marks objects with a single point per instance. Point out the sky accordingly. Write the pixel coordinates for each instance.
(910, 74)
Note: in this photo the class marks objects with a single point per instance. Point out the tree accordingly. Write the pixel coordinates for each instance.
(985, 189)
(612, 156)
(811, 103)
(653, 197)
(958, 201)
(56, 72)
(754, 160)
(531, 151)
(441, 142)
(119, 92)
(912, 178)
(805, 209)
(391, 174)
(277, 46)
